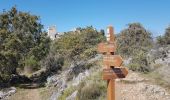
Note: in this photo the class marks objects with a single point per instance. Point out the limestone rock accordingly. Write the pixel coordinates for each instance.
(7, 92)
(72, 96)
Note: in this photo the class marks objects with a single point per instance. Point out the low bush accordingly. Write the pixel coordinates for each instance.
(133, 38)
(91, 91)
(78, 45)
(89, 53)
(165, 39)
(52, 63)
(31, 64)
(93, 88)
(140, 62)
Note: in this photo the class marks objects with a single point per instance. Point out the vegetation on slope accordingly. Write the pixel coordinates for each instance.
(165, 39)
(25, 47)
(135, 42)
(73, 47)
(22, 42)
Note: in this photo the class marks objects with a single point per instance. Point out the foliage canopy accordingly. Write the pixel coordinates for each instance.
(21, 37)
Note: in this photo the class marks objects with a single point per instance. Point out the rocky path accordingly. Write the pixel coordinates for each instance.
(26, 94)
(134, 87)
(30, 94)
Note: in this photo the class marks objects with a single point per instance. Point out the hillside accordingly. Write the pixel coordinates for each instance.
(34, 67)
(134, 87)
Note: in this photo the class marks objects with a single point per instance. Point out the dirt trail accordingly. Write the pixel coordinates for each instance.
(135, 87)
(26, 94)
(32, 94)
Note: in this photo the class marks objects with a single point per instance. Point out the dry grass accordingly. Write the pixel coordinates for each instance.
(24, 94)
(32, 94)
(157, 79)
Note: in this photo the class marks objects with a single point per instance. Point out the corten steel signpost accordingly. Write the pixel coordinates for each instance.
(112, 63)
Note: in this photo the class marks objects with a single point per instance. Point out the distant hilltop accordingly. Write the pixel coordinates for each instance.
(52, 32)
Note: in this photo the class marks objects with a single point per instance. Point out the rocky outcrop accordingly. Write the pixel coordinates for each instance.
(61, 80)
(4, 93)
(164, 63)
(70, 77)
(80, 77)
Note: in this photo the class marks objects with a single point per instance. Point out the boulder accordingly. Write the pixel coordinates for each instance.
(4, 93)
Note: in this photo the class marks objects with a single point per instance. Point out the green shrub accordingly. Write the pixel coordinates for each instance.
(90, 91)
(4, 78)
(31, 64)
(93, 88)
(77, 45)
(132, 39)
(52, 63)
(165, 39)
(161, 40)
(21, 37)
(89, 53)
(134, 66)
(140, 62)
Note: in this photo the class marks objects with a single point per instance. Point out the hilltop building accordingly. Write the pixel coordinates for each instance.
(52, 32)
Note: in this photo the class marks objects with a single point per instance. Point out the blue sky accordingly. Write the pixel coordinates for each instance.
(68, 14)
